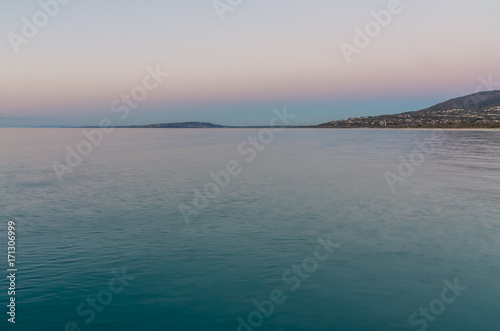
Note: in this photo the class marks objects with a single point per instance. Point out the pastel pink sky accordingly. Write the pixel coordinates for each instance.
(288, 51)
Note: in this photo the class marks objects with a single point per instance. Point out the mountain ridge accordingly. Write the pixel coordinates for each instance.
(478, 110)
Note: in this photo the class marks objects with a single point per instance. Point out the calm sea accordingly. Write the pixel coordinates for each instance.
(317, 230)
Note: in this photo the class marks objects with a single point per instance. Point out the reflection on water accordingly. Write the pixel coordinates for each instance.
(119, 208)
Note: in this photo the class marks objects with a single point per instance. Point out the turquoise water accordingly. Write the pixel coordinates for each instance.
(119, 209)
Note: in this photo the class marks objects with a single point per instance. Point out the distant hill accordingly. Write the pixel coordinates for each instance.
(183, 125)
(479, 110)
(201, 125)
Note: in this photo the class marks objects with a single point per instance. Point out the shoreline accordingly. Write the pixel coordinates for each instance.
(263, 127)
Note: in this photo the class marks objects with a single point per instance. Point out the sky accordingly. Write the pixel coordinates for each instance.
(232, 64)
